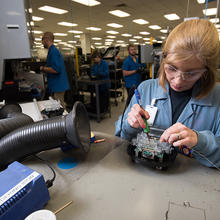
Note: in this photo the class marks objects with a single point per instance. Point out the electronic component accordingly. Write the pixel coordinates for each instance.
(148, 149)
(22, 192)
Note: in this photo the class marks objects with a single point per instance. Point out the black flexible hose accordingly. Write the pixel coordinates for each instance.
(12, 118)
(47, 134)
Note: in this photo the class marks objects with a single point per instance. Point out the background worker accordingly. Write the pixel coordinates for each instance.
(186, 94)
(131, 69)
(55, 69)
(100, 70)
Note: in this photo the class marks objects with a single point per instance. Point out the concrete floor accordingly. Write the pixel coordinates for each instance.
(107, 124)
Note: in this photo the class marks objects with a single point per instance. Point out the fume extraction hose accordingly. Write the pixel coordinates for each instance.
(73, 128)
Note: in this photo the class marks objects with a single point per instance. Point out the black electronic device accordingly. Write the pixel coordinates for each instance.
(149, 150)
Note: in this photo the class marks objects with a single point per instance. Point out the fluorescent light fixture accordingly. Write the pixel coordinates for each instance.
(126, 35)
(62, 43)
(217, 25)
(201, 1)
(57, 40)
(30, 10)
(35, 18)
(172, 17)
(144, 33)
(162, 37)
(155, 27)
(119, 13)
(112, 32)
(147, 42)
(114, 25)
(68, 24)
(60, 34)
(37, 32)
(77, 36)
(75, 32)
(140, 21)
(164, 31)
(72, 41)
(136, 43)
(146, 38)
(37, 39)
(93, 28)
(110, 40)
(96, 38)
(132, 40)
(66, 48)
(209, 11)
(120, 41)
(137, 37)
(97, 43)
(110, 36)
(38, 43)
(159, 41)
(214, 20)
(88, 2)
(54, 10)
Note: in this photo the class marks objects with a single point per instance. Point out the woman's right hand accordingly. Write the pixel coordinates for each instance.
(135, 116)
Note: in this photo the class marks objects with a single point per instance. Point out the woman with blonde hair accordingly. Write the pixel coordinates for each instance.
(186, 95)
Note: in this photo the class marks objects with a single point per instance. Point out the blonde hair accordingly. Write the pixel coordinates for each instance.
(194, 38)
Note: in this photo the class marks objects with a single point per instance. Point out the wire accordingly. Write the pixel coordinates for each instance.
(207, 159)
(49, 182)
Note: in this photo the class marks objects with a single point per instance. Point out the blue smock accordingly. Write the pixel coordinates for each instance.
(201, 115)
(101, 70)
(56, 82)
(134, 79)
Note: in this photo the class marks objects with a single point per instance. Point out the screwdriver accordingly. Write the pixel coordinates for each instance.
(138, 98)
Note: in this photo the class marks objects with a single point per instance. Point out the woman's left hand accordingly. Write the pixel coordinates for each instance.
(178, 135)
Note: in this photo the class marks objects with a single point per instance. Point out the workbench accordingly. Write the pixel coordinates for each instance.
(108, 185)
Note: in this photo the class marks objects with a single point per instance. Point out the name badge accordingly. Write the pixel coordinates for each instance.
(152, 111)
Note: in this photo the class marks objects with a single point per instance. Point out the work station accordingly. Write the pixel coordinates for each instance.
(109, 110)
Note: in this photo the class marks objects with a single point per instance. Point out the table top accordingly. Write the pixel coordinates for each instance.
(107, 185)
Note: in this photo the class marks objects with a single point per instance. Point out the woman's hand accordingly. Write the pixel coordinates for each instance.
(178, 134)
(135, 116)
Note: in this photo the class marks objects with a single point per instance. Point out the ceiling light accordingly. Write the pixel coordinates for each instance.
(132, 40)
(217, 25)
(201, 1)
(72, 41)
(93, 28)
(37, 32)
(155, 27)
(146, 38)
(136, 43)
(147, 42)
(98, 43)
(159, 41)
(96, 38)
(37, 38)
(35, 18)
(38, 43)
(68, 24)
(162, 37)
(214, 20)
(109, 40)
(57, 40)
(119, 13)
(75, 32)
(140, 21)
(66, 48)
(144, 32)
(164, 31)
(172, 17)
(209, 11)
(115, 25)
(88, 2)
(52, 10)
(59, 34)
(112, 32)
(120, 41)
(126, 35)
(110, 36)
(137, 37)
(77, 36)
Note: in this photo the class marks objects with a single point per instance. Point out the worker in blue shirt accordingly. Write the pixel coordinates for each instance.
(100, 71)
(55, 69)
(131, 69)
(185, 99)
